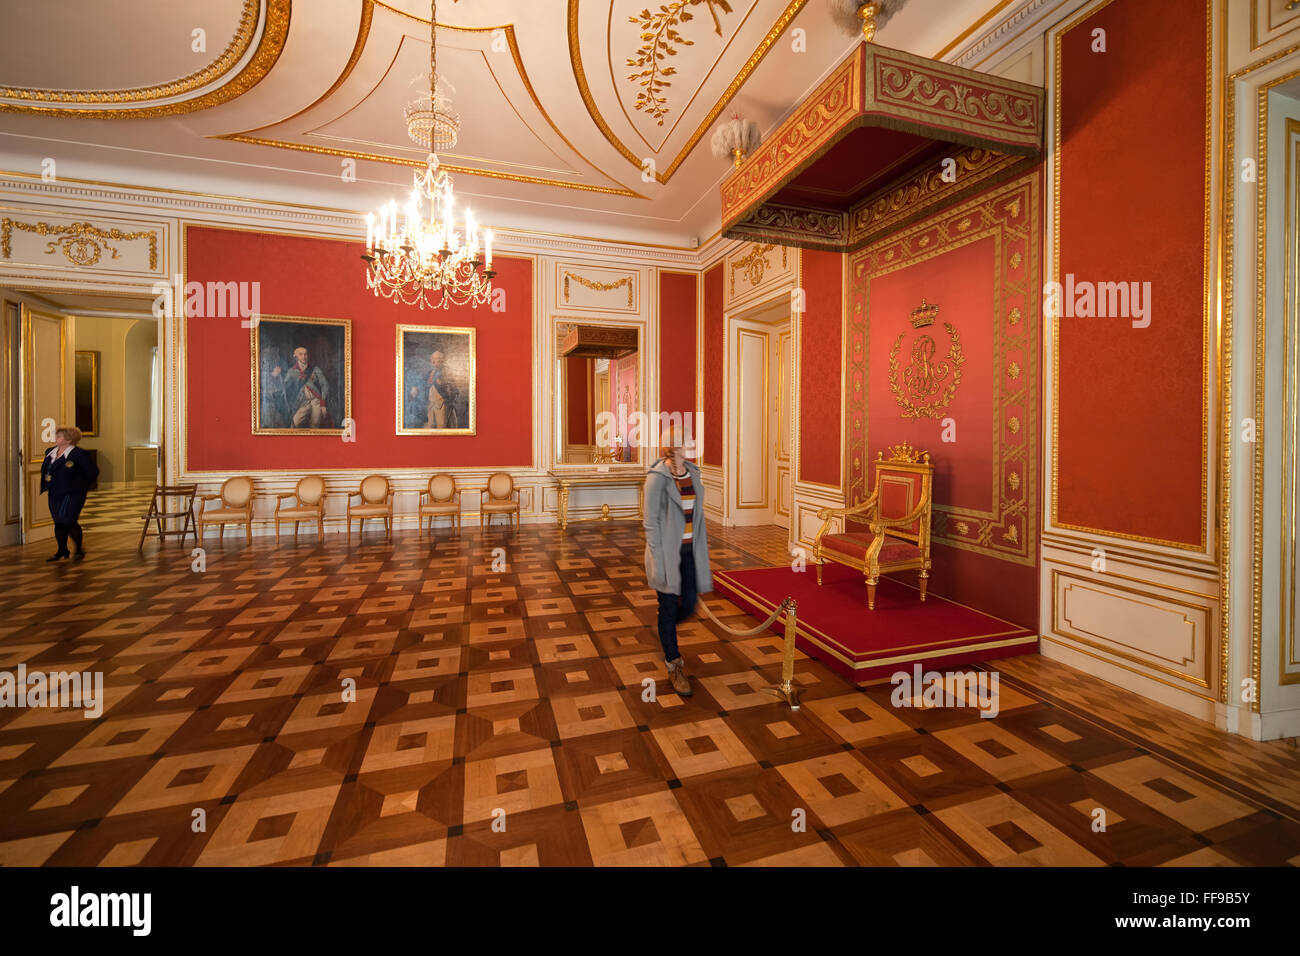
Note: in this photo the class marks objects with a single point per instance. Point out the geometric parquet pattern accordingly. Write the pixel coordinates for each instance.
(403, 703)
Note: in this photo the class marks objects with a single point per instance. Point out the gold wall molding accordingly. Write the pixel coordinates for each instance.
(275, 30)
(81, 243)
(1063, 581)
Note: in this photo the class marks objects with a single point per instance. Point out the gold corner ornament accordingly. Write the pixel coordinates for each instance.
(927, 385)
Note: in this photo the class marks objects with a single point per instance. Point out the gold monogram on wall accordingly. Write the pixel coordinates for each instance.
(81, 243)
(927, 386)
(598, 286)
(754, 264)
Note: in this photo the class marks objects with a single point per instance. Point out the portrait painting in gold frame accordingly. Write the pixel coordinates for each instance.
(302, 375)
(436, 368)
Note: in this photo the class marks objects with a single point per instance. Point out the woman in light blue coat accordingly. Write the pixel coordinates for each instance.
(676, 546)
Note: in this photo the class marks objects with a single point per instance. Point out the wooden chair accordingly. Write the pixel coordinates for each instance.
(441, 500)
(309, 505)
(500, 497)
(161, 510)
(898, 516)
(236, 497)
(376, 494)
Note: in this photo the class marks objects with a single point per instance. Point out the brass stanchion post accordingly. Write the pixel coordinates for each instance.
(786, 689)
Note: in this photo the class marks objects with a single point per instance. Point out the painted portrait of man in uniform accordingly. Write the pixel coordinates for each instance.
(302, 376)
(435, 380)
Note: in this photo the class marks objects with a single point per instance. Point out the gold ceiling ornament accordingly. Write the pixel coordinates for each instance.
(424, 261)
(864, 16)
(598, 286)
(660, 40)
(927, 386)
(735, 139)
(82, 244)
(662, 177)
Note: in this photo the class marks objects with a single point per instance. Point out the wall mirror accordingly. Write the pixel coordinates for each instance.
(598, 392)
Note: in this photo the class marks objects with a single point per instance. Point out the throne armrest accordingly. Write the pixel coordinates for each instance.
(879, 524)
(828, 514)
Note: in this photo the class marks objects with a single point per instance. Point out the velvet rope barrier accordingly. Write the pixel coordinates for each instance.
(786, 689)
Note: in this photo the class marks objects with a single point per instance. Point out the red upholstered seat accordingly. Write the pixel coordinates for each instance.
(855, 546)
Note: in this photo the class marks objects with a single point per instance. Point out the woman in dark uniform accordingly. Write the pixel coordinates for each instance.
(68, 473)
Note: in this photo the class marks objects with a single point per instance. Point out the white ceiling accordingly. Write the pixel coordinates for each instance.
(541, 147)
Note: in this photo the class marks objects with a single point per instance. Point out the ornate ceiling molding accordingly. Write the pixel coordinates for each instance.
(363, 35)
(273, 19)
(584, 88)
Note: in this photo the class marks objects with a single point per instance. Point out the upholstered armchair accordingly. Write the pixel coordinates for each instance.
(376, 501)
(440, 500)
(308, 499)
(897, 515)
(500, 497)
(235, 507)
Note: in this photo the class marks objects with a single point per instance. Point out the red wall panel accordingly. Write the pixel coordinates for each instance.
(715, 346)
(677, 343)
(1132, 208)
(819, 374)
(324, 278)
(580, 420)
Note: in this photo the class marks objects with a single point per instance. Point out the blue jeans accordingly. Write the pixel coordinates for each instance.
(674, 608)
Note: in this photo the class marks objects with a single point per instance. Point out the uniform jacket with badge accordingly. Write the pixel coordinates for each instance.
(665, 523)
(73, 474)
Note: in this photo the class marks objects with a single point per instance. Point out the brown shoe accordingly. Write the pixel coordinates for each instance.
(677, 674)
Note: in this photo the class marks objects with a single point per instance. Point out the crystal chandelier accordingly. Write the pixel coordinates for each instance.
(422, 260)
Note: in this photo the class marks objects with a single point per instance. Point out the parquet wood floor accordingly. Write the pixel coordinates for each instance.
(405, 703)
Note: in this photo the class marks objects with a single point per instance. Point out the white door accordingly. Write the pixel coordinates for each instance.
(781, 402)
(11, 475)
(45, 407)
(751, 445)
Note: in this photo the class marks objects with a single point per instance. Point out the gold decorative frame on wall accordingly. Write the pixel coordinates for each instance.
(1052, 523)
(255, 361)
(469, 371)
(1008, 530)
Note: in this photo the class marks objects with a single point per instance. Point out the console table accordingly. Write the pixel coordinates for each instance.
(567, 479)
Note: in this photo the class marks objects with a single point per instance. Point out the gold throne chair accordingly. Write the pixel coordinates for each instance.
(898, 516)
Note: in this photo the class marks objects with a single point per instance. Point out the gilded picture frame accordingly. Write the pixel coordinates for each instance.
(301, 371)
(436, 380)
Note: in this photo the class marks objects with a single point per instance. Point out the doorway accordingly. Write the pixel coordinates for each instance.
(86, 360)
(760, 401)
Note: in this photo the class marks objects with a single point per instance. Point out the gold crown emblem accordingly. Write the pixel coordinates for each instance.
(924, 314)
(904, 453)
